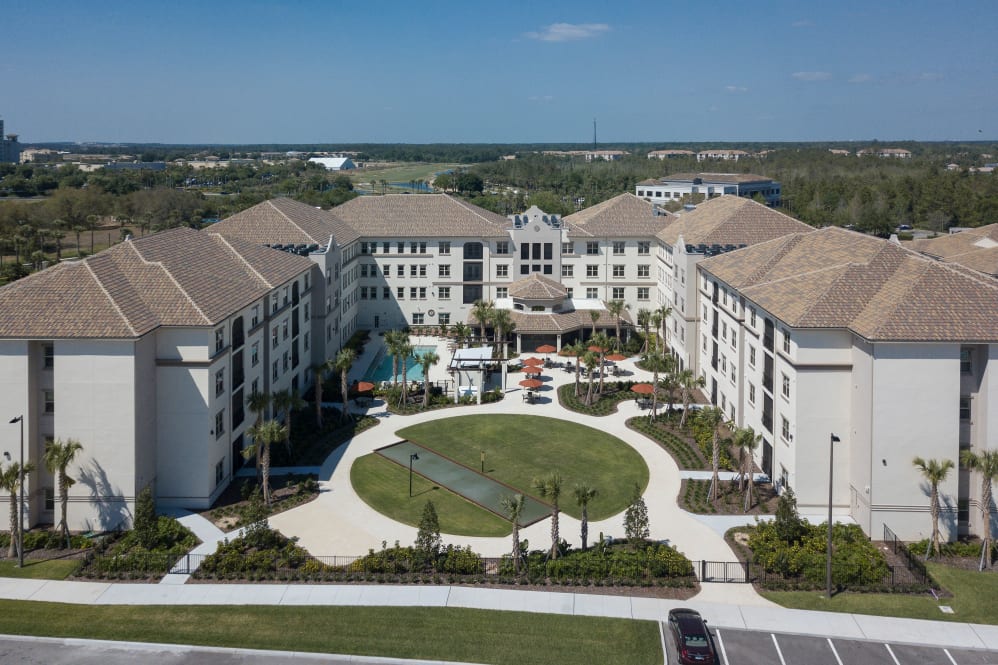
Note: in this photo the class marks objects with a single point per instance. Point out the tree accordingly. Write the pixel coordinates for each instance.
(319, 373)
(513, 506)
(658, 363)
(426, 361)
(655, 321)
(584, 494)
(394, 341)
(58, 456)
(503, 322)
(428, 536)
(688, 383)
(595, 315)
(601, 340)
(10, 480)
(664, 312)
(286, 401)
(644, 320)
(405, 350)
(482, 310)
(549, 487)
(712, 417)
(747, 442)
(577, 349)
(258, 403)
(986, 464)
(461, 333)
(616, 307)
(636, 526)
(790, 528)
(591, 361)
(264, 435)
(344, 361)
(934, 472)
(145, 524)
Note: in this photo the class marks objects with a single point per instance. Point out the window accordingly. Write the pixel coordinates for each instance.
(567, 248)
(422, 248)
(255, 321)
(48, 396)
(417, 319)
(751, 394)
(592, 270)
(643, 293)
(274, 337)
(966, 361)
(786, 342)
(524, 269)
(644, 272)
(618, 247)
(273, 304)
(400, 292)
(422, 270)
(548, 270)
(363, 248)
(445, 293)
(592, 293)
(306, 342)
(752, 317)
(502, 270)
(219, 382)
(567, 270)
(644, 248)
(618, 270)
(502, 247)
(705, 313)
(592, 248)
(443, 271)
(785, 428)
(255, 387)
(286, 364)
(412, 247)
(502, 292)
(964, 409)
(724, 330)
(786, 386)
(363, 293)
(255, 354)
(219, 339)
(219, 472)
(220, 423)
(274, 373)
(444, 247)
(412, 293)
(413, 270)
(308, 312)
(618, 293)
(48, 356)
(49, 498)
(363, 270)
(570, 292)
(443, 318)
(287, 295)
(422, 293)
(284, 329)
(386, 292)
(400, 247)
(751, 356)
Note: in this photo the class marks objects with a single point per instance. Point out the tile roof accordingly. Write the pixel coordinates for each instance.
(542, 322)
(833, 278)
(730, 220)
(285, 221)
(420, 216)
(623, 216)
(537, 287)
(976, 248)
(178, 277)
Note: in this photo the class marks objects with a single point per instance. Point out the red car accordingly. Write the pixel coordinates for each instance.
(693, 641)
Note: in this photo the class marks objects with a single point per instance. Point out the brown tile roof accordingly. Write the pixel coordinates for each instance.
(731, 220)
(539, 322)
(833, 278)
(623, 216)
(537, 287)
(420, 216)
(179, 277)
(286, 221)
(976, 248)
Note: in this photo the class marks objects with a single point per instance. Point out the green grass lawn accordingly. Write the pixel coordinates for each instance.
(972, 601)
(51, 569)
(514, 638)
(521, 448)
(384, 486)
(402, 173)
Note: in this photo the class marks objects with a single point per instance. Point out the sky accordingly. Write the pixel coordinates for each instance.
(328, 71)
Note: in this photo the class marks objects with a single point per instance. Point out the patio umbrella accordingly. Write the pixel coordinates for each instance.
(532, 383)
(364, 386)
(597, 349)
(545, 348)
(643, 388)
(532, 371)
(616, 357)
(533, 362)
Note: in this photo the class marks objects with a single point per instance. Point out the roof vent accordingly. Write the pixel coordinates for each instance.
(689, 206)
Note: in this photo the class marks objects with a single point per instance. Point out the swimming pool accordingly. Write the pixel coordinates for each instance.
(381, 368)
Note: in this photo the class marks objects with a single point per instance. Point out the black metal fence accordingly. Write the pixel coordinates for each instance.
(915, 567)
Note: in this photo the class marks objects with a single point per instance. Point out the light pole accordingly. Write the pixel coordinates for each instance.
(20, 507)
(832, 440)
(412, 458)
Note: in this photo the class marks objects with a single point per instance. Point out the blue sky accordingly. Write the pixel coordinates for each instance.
(329, 71)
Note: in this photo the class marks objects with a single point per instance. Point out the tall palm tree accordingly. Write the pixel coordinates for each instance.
(712, 417)
(503, 322)
(655, 321)
(405, 352)
(595, 315)
(644, 320)
(591, 361)
(258, 403)
(670, 384)
(394, 339)
(344, 361)
(264, 435)
(747, 442)
(584, 493)
(483, 311)
(549, 487)
(461, 333)
(426, 361)
(664, 311)
(58, 456)
(602, 340)
(615, 307)
(577, 349)
(319, 373)
(688, 383)
(657, 362)
(934, 472)
(10, 480)
(513, 506)
(287, 401)
(985, 463)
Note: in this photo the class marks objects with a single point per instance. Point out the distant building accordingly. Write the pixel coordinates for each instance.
(136, 166)
(10, 149)
(727, 155)
(334, 163)
(669, 154)
(839, 151)
(675, 187)
(896, 153)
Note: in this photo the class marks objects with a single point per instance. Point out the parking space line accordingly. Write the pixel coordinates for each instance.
(836, 653)
(661, 634)
(893, 657)
(720, 642)
(778, 652)
(946, 651)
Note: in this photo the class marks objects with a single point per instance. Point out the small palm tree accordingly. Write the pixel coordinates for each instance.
(601, 340)
(712, 417)
(688, 382)
(426, 361)
(657, 362)
(461, 333)
(934, 472)
(258, 403)
(664, 311)
(986, 464)
(644, 319)
(287, 401)
(615, 307)
(10, 480)
(504, 324)
(394, 339)
(319, 373)
(591, 361)
(344, 361)
(405, 350)
(549, 487)
(584, 493)
(595, 315)
(483, 311)
(655, 321)
(747, 442)
(264, 435)
(58, 456)
(513, 506)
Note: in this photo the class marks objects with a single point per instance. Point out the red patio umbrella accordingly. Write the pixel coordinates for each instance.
(532, 371)
(364, 386)
(643, 388)
(616, 357)
(545, 348)
(534, 362)
(531, 383)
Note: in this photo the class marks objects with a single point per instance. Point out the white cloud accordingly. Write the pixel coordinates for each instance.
(564, 32)
(812, 76)
(861, 78)
(735, 88)
(803, 23)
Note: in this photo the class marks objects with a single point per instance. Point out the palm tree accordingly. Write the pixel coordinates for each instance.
(747, 441)
(549, 487)
(319, 372)
(577, 349)
(344, 361)
(615, 307)
(461, 333)
(258, 403)
(504, 324)
(513, 506)
(483, 311)
(657, 362)
(405, 352)
(602, 340)
(287, 401)
(644, 319)
(594, 314)
(670, 384)
(655, 321)
(58, 456)
(394, 339)
(426, 361)
(712, 417)
(934, 473)
(264, 435)
(985, 463)
(664, 311)
(584, 493)
(10, 480)
(688, 382)
(591, 361)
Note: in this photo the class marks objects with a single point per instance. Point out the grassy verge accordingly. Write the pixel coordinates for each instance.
(426, 633)
(384, 486)
(51, 569)
(972, 601)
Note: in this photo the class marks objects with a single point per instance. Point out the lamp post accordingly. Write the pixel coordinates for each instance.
(832, 440)
(20, 506)
(412, 458)
(483, 462)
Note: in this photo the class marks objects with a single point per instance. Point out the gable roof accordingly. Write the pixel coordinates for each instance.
(729, 220)
(833, 278)
(179, 277)
(284, 221)
(975, 248)
(624, 215)
(420, 215)
(537, 287)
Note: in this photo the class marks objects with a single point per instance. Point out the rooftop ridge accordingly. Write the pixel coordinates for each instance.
(110, 299)
(226, 243)
(173, 279)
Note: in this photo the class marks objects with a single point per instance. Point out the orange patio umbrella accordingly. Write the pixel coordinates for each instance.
(364, 386)
(532, 371)
(616, 357)
(643, 388)
(545, 348)
(531, 383)
(534, 362)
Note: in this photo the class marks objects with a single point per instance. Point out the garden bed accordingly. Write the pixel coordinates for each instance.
(603, 404)
(287, 492)
(730, 501)
(677, 443)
